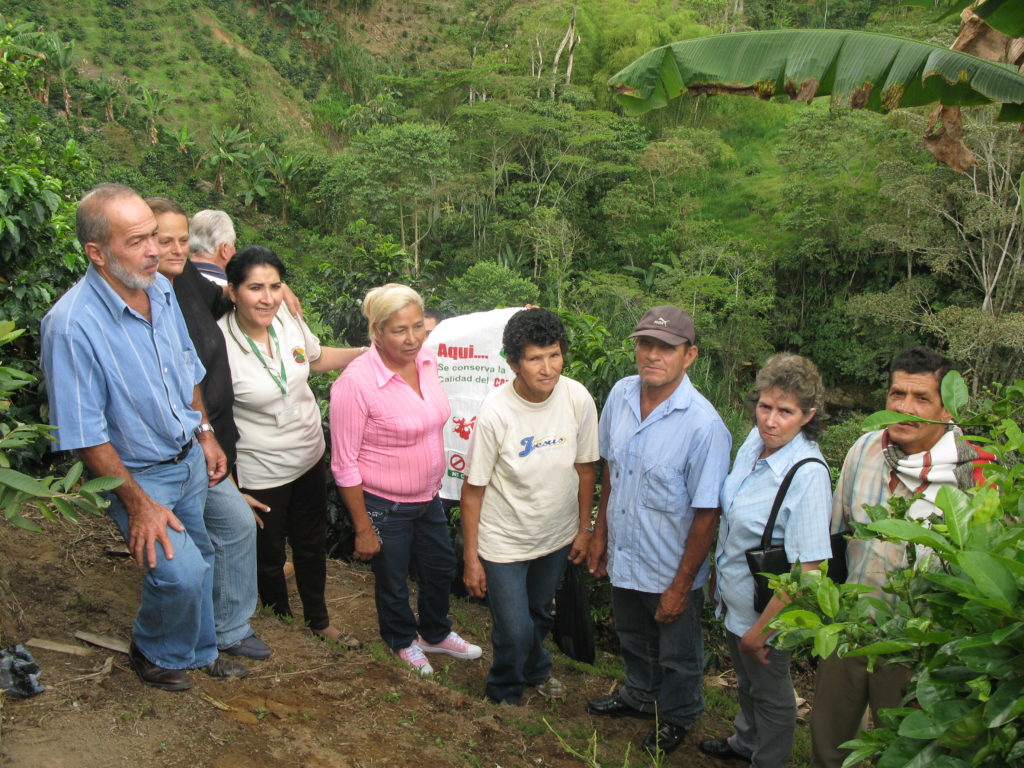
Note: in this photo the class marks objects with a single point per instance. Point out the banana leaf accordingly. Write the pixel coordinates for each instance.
(1005, 15)
(860, 69)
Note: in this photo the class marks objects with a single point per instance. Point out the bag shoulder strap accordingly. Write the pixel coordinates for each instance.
(769, 527)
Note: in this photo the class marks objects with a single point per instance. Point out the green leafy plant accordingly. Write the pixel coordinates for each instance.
(363, 259)
(953, 614)
(53, 496)
(1005, 15)
(487, 285)
(595, 359)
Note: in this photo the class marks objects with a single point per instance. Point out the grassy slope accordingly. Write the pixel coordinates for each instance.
(745, 196)
(155, 43)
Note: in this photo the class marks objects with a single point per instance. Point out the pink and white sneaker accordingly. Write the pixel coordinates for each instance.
(413, 656)
(453, 645)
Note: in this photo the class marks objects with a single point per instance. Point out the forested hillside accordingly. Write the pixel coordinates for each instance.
(472, 148)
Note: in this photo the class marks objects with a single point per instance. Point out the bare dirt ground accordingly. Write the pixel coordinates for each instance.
(306, 706)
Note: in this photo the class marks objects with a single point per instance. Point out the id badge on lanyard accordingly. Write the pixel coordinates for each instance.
(279, 378)
(287, 416)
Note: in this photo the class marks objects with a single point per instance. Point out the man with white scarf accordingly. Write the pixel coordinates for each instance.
(906, 459)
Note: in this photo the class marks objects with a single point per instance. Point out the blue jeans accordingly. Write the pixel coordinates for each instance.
(664, 662)
(174, 627)
(520, 596)
(232, 530)
(401, 528)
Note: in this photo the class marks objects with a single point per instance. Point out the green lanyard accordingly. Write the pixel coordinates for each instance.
(282, 379)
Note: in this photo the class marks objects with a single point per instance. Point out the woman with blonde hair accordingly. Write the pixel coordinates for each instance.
(388, 411)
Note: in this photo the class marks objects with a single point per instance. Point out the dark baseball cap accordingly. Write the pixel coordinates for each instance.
(666, 323)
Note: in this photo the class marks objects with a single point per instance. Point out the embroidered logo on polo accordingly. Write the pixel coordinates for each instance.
(531, 443)
(299, 354)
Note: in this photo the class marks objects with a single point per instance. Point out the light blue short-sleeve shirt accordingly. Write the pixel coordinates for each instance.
(661, 469)
(113, 376)
(747, 498)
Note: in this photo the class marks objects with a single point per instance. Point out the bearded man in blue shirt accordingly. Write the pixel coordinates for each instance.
(666, 455)
(122, 377)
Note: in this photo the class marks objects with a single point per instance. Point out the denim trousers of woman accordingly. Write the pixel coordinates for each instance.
(520, 595)
(419, 528)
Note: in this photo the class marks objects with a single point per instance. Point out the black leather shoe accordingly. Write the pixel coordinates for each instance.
(158, 677)
(222, 668)
(613, 706)
(720, 749)
(666, 737)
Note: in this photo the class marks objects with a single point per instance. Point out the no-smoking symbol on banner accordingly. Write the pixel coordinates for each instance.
(458, 463)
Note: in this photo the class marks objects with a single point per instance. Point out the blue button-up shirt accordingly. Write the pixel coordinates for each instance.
(661, 469)
(113, 376)
(747, 498)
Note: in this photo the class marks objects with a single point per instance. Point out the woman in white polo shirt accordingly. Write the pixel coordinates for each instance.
(281, 443)
(527, 500)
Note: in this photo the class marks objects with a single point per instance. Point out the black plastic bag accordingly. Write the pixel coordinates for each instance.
(573, 630)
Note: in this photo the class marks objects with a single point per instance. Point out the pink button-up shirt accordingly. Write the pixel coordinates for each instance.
(383, 435)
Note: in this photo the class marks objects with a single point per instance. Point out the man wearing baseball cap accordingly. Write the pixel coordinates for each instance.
(666, 455)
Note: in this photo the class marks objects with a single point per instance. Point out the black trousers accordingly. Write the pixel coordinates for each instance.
(298, 516)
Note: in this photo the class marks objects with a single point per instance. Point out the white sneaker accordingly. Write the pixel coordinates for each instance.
(453, 645)
(413, 656)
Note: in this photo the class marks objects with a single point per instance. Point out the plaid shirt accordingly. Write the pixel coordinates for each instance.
(864, 481)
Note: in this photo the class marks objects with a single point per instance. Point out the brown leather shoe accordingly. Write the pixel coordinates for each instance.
(222, 668)
(158, 677)
(334, 635)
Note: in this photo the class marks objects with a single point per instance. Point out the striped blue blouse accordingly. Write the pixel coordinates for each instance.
(747, 496)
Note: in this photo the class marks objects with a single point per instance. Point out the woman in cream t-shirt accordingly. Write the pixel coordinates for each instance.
(527, 499)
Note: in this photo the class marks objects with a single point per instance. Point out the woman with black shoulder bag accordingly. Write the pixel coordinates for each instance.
(779, 451)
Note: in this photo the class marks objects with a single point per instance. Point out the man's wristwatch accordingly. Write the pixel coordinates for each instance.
(204, 427)
(587, 528)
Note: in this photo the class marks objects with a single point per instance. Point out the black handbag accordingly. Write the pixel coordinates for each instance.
(837, 563)
(769, 558)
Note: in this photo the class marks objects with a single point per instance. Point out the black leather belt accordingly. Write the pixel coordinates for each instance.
(181, 454)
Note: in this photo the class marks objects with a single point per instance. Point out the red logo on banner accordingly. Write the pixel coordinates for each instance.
(464, 428)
